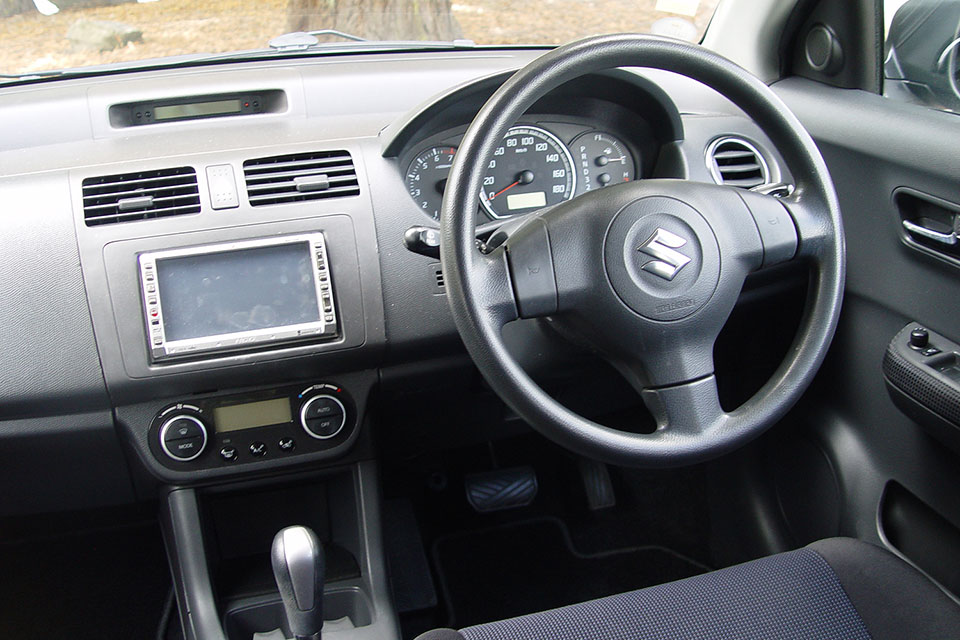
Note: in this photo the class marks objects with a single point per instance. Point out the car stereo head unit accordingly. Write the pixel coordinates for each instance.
(237, 295)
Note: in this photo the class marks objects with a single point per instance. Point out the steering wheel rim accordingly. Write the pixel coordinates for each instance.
(483, 294)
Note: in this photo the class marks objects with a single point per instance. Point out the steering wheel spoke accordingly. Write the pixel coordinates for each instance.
(776, 225)
(499, 300)
(532, 275)
(690, 408)
(812, 221)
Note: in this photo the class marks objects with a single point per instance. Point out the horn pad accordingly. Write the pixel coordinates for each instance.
(662, 258)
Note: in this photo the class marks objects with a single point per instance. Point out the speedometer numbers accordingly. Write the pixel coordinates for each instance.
(427, 178)
(601, 160)
(530, 170)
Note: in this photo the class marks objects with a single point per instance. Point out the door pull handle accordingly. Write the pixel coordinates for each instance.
(949, 239)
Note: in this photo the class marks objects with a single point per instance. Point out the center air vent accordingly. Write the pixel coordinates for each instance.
(138, 196)
(736, 162)
(300, 176)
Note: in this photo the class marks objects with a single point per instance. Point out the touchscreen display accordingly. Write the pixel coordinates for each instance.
(258, 288)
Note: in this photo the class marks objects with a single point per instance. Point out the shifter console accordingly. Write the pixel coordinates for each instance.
(299, 567)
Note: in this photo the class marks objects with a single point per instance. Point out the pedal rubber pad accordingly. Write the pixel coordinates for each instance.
(501, 489)
(597, 484)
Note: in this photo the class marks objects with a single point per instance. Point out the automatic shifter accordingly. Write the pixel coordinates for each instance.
(298, 566)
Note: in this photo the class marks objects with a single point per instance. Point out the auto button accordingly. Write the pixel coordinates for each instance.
(323, 417)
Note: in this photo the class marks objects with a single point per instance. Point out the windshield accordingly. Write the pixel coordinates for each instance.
(45, 35)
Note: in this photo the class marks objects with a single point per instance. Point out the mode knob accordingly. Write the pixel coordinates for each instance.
(323, 417)
(183, 437)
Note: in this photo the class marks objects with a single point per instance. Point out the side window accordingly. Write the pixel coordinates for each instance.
(922, 52)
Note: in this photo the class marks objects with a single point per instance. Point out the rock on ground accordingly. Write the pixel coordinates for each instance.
(102, 35)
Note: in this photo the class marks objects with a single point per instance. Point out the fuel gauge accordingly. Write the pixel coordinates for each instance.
(601, 160)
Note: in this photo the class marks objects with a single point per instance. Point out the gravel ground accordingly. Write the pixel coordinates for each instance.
(33, 42)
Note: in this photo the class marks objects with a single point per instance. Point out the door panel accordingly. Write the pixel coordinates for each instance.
(874, 147)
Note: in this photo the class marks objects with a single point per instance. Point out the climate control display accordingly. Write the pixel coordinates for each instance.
(259, 426)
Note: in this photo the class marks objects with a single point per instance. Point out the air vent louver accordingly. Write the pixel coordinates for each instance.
(300, 176)
(736, 162)
(139, 196)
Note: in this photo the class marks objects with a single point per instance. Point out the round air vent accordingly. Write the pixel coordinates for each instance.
(734, 161)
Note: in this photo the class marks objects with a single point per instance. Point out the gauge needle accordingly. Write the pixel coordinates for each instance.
(524, 177)
(505, 189)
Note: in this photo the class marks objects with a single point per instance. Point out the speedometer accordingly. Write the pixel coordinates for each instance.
(530, 170)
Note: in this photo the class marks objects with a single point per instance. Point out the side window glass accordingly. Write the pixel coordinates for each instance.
(922, 52)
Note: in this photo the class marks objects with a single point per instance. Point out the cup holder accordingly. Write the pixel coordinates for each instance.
(343, 609)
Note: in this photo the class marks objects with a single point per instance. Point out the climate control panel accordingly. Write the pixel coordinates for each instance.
(227, 430)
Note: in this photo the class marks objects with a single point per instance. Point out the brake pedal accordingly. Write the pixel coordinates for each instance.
(501, 489)
(597, 484)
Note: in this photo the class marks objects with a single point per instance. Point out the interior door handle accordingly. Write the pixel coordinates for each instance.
(948, 239)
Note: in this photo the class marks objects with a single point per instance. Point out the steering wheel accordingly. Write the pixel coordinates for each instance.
(645, 273)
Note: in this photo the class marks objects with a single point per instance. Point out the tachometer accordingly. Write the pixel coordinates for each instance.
(532, 169)
(427, 178)
(601, 160)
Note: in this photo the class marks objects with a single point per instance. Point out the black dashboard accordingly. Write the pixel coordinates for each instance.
(102, 374)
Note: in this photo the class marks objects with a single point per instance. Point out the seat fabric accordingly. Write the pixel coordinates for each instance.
(836, 589)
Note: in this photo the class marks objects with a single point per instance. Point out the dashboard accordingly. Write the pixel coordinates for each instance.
(214, 287)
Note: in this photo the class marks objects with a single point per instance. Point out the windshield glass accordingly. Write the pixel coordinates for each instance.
(45, 35)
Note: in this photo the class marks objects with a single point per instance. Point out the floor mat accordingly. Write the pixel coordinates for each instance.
(102, 584)
(532, 566)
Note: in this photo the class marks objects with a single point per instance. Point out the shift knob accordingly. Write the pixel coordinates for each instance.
(298, 566)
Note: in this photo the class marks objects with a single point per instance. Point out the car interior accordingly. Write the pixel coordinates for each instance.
(626, 338)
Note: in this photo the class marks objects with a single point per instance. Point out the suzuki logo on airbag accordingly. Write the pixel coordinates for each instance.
(663, 246)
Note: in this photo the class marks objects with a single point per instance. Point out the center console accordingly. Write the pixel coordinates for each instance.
(238, 312)
(234, 340)
(219, 541)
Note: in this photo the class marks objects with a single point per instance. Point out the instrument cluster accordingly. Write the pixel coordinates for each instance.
(540, 163)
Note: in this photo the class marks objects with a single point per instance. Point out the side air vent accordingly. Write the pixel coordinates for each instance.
(436, 276)
(142, 195)
(300, 176)
(735, 162)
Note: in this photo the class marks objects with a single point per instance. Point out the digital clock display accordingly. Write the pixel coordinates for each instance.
(196, 109)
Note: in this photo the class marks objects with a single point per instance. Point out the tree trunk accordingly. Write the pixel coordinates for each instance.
(376, 19)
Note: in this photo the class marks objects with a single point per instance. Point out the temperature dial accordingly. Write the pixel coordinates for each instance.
(601, 160)
(323, 416)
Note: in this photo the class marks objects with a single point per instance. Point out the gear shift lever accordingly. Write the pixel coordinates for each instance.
(298, 566)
